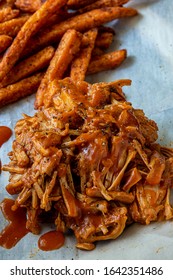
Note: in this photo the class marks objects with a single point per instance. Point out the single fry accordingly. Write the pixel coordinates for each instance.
(105, 37)
(12, 27)
(102, 4)
(5, 42)
(76, 4)
(19, 90)
(31, 26)
(104, 40)
(8, 13)
(81, 23)
(28, 66)
(107, 61)
(68, 47)
(80, 63)
(58, 17)
(29, 5)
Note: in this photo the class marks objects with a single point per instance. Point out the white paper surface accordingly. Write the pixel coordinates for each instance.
(148, 39)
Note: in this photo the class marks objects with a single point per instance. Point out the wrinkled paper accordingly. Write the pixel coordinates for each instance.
(149, 42)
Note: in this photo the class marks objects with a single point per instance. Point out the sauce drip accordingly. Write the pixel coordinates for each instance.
(5, 134)
(51, 240)
(16, 229)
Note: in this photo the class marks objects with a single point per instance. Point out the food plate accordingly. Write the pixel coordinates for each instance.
(149, 43)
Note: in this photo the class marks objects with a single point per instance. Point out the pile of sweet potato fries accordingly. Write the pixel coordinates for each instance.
(87, 158)
(31, 31)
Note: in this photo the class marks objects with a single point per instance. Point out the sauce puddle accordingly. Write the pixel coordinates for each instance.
(16, 229)
(5, 134)
(51, 240)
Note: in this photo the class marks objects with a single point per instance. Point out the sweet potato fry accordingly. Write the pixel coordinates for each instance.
(57, 17)
(102, 4)
(33, 24)
(12, 27)
(80, 63)
(19, 90)
(8, 13)
(28, 66)
(68, 47)
(81, 23)
(76, 4)
(28, 5)
(104, 40)
(106, 61)
(104, 37)
(5, 42)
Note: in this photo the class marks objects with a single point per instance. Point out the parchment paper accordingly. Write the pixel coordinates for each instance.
(148, 39)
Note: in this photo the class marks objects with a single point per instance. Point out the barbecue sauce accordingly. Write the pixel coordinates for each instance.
(51, 240)
(16, 229)
(5, 134)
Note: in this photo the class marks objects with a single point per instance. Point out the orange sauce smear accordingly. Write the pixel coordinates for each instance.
(5, 134)
(51, 240)
(16, 229)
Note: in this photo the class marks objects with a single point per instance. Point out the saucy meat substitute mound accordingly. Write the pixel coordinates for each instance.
(89, 162)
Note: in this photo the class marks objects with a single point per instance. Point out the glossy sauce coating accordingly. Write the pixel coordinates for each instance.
(51, 240)
(5, 134)
(16, 229)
